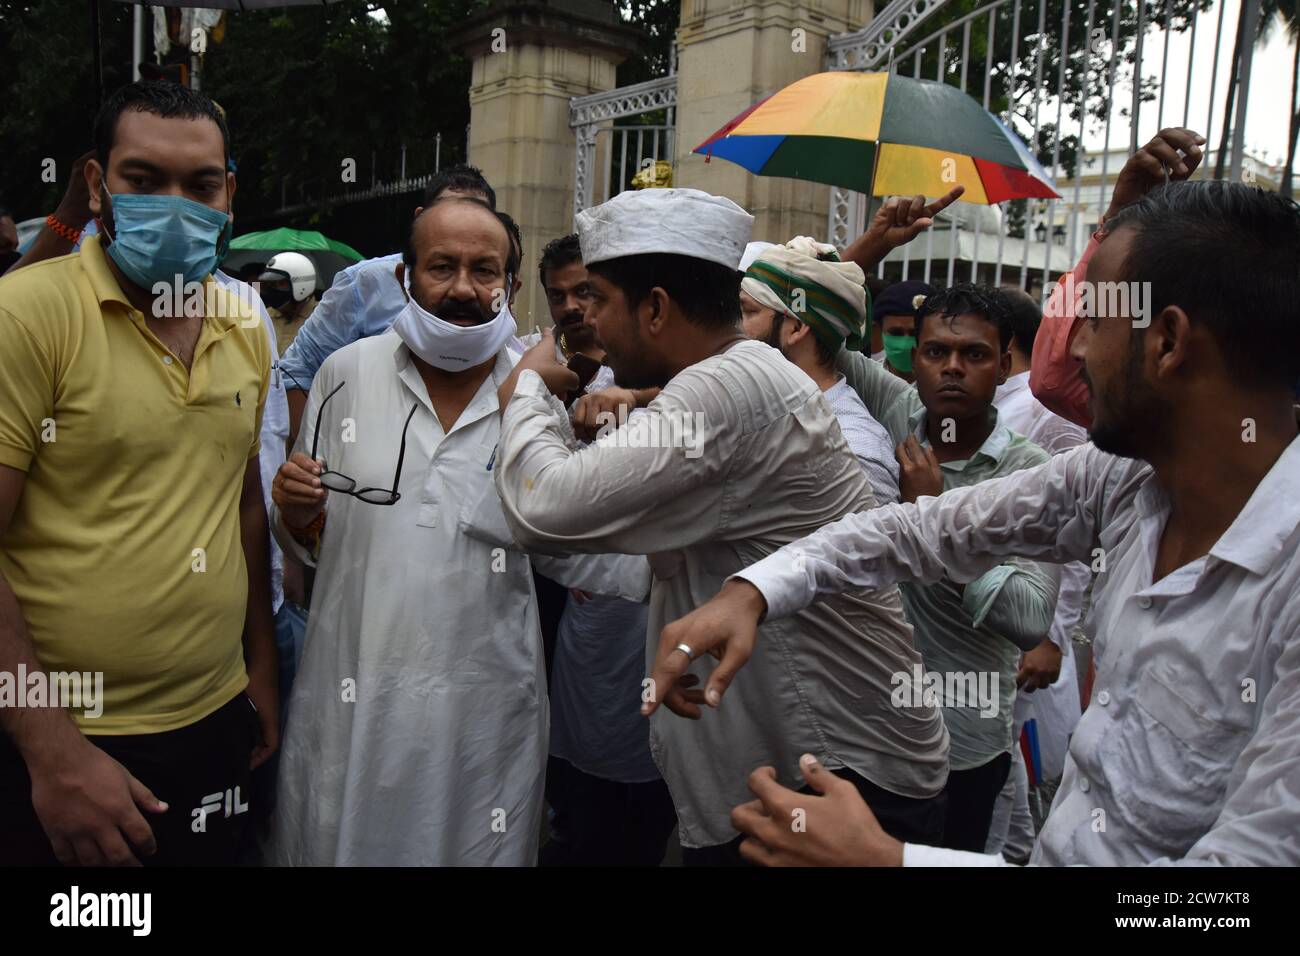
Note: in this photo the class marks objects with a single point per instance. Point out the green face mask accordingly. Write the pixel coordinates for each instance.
(898, 351)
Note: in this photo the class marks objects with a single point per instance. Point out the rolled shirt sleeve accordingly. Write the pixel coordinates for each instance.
(1075, 578)
(1017, 599)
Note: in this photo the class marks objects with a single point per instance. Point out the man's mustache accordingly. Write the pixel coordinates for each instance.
(465, 311)
(579, 335)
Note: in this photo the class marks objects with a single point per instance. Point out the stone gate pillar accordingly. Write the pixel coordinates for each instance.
(529, 58)
(731, 54)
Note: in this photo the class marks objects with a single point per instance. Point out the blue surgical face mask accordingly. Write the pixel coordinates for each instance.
(157, 238)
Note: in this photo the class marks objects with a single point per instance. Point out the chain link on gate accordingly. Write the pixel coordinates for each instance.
(1095, 48)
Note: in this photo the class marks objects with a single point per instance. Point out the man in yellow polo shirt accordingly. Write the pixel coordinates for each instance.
(137, 658)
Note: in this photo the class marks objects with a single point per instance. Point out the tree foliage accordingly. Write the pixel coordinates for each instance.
(50, 96)
(304, 89)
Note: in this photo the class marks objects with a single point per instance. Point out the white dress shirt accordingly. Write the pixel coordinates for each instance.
(1190, 749)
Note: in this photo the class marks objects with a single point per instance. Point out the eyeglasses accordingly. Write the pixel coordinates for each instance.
(337, 481)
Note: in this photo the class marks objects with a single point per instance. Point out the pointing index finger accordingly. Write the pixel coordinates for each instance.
(944, 201)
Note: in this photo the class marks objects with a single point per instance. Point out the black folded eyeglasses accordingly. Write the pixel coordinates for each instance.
(337, 481)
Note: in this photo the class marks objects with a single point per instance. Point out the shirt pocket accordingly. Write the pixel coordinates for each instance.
(1174, 764)
(480, 515)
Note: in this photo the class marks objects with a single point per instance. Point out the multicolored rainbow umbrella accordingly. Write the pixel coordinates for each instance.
(884, 135)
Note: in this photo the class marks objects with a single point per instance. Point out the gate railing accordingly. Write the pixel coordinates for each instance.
(1094, 57)
(593, 115)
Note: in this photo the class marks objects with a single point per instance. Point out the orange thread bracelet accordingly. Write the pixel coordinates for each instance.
(62, 231)
(309, 535)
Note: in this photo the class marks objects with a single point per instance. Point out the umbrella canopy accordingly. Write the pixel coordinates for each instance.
(884, 135)
(327, 255)
(294, 240)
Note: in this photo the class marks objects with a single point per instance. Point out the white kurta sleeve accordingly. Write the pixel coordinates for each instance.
(1051, 513)
(613, 575)
(655, 484)
(625, 576)
(288, 543)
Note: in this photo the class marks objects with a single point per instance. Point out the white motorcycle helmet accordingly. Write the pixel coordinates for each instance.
(296, 268)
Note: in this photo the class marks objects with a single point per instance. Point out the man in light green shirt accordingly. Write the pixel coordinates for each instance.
(970, 637)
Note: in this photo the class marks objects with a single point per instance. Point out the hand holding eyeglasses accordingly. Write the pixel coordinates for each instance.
(297, 490)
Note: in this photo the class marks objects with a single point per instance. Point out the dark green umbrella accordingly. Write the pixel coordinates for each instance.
(329, 256)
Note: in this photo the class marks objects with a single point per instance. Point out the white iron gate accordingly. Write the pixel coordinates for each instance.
(610, 153)
(1092, 49)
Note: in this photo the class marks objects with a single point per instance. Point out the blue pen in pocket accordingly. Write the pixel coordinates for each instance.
(492, 459)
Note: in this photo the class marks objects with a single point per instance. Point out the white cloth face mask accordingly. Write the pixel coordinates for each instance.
(446, 345)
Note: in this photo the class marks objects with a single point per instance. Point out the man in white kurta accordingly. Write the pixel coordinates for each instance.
(418, 729)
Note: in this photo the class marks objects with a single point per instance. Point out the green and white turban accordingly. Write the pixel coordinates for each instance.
(827, 296)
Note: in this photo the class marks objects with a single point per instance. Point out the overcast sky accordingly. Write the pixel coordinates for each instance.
(1269, 101)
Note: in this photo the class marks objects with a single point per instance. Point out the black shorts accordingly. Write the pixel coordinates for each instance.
(200, 772)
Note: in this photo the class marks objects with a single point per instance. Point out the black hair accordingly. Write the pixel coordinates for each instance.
(462, 178)
(162, 98)
(1226, 254)
(516, 241)
(512, 234)
(965, 298)
(708, 293)
(1026, 317)
(557, 254)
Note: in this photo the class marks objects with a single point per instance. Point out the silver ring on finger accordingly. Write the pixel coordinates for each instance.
(687, 650)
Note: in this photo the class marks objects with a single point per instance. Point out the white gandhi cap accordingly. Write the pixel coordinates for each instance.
(684, 222)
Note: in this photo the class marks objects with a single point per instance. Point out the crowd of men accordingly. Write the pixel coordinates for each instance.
(375, 579)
